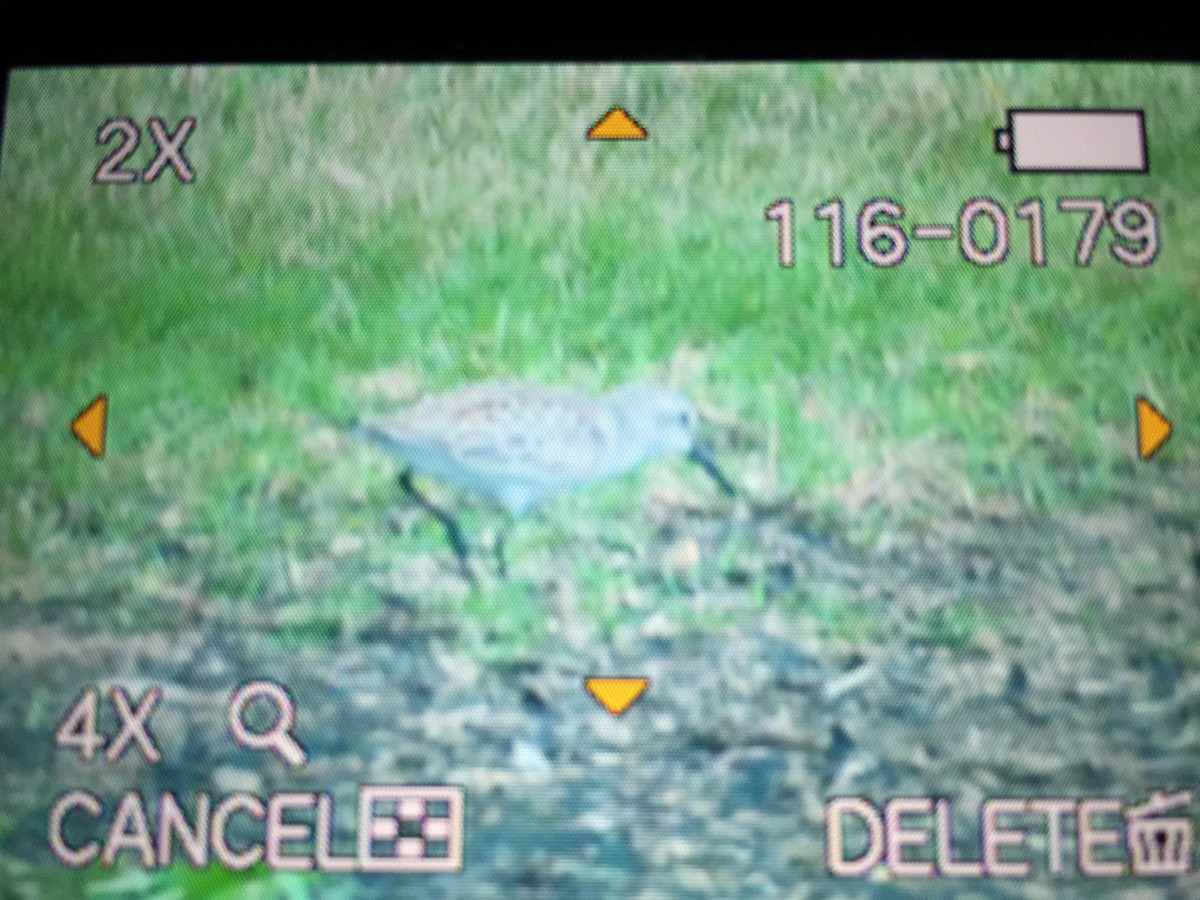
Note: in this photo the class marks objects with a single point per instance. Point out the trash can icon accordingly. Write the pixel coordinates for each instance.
(1075, 141)
(1160, 846)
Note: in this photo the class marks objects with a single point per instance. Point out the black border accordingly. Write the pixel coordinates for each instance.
(39, 34)
(3, 111)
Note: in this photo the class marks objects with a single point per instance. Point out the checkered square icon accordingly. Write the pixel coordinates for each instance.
(410, 828)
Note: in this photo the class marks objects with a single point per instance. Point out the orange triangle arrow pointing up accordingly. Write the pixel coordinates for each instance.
(1153, 428)
(616, 125)
(91, 426)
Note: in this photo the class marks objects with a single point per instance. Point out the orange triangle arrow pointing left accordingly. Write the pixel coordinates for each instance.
(91, 426)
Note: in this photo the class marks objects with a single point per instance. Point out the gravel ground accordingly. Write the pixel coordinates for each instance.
(713, 784)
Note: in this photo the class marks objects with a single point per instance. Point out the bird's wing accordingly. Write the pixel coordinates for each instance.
(549, 436)
(501, 431)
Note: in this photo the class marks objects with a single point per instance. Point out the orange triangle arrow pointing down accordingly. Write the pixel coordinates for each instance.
(616, 694)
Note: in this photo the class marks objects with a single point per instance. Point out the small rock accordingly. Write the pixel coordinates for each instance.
(171, 730)
(346, 177)
(170, 518)
(880, 874)
(596, 821)
(365, 699)
(283, 489)
(325, 444)
(695, 878)
(35, 411)
(688, 363)
(683, 555)
(626, 596)
(673, 849)
(577, 635)
(810, 407)
(231, 780)
(397, 384)
(625, 638)
(853, 775)
(663, 724)
(211, 667)
(990, 641)
(346, 544)
(659, 626)
(528, 758)
(610, 733)
(849, 682)
(402, 520)
(492, 815)
(308, 574)
(456, 668)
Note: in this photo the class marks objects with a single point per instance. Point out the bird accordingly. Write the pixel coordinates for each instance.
(517, 444)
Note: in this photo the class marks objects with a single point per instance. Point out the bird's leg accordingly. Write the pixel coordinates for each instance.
(453, 532)
(501, 539)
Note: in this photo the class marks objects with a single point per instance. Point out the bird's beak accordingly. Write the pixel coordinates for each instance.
(703, 457)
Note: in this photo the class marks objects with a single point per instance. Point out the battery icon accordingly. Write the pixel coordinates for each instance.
(1075, 140)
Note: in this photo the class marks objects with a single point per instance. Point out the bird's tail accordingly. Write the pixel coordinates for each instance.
(358, 430)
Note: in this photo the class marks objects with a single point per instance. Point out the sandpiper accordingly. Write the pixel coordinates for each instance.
(518, 443)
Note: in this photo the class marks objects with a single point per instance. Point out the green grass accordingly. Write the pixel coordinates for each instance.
(178, 882)
(959, 625)
(835, 614)
(349, 220)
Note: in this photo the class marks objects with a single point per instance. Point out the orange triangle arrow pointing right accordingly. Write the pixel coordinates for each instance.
(1153, 428)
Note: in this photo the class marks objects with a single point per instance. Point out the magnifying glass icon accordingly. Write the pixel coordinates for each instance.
(278, 736)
